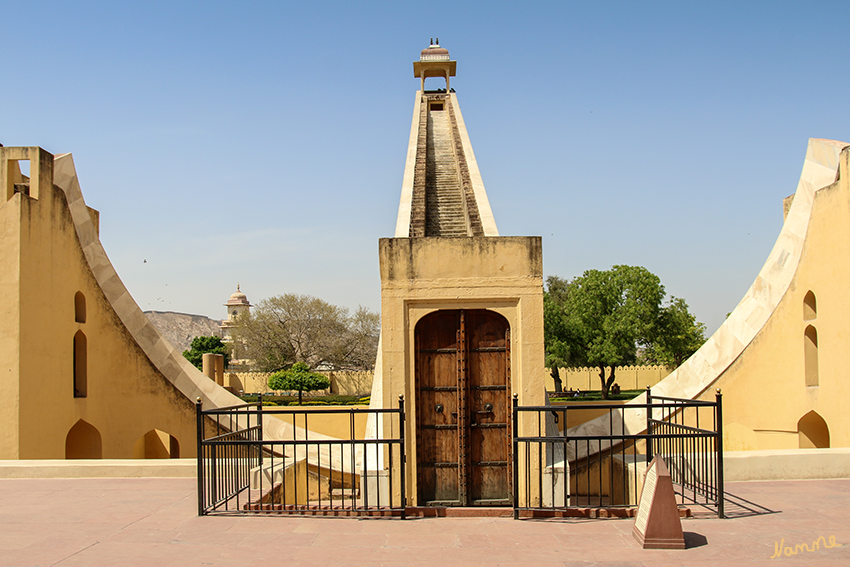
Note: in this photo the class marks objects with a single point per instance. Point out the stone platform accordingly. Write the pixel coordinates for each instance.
(153, 521)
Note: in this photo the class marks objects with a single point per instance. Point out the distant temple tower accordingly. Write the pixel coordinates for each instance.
(236, 306)
(461, 312)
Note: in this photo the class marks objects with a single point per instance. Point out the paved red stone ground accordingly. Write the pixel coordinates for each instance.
(128, 522)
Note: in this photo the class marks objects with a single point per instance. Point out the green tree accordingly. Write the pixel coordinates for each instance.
(298, 377)
(201, 345)
(600, 318)
(291, 328)
(677, 336)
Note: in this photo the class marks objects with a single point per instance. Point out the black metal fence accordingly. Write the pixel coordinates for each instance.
(688, 435)
(598, 465)
(601, 464)
(241, 471)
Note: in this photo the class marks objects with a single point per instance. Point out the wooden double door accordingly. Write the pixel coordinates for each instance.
(463, 409)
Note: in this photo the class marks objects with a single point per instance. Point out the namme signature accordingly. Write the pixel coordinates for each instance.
(782, 549)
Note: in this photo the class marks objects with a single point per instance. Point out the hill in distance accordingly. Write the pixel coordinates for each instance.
(180, 328)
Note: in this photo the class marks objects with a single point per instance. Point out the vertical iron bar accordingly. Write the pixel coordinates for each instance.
(352, 448)
(611, 458)
(211, 454)
(283, 475)
(564, 466)
(719, 441)
(260, 429)
(527, 474)
(403, 456)
(550, 460)
(540, 456)
(514, 434)
(648, 426)
(351, 467)
(599, 458)
(199, 428)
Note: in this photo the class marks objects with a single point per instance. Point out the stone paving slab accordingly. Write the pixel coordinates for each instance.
(152, 521)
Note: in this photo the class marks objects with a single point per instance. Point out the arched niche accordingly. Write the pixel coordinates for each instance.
(810, 307)
(810, 340)
(83, 442)
(812, 431)
(80, 365)
(79, 307)
(156, 444)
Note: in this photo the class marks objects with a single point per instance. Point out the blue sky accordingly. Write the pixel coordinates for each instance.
(264, 142)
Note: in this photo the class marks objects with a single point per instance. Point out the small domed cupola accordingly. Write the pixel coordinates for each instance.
(434, 53)
(434, 61)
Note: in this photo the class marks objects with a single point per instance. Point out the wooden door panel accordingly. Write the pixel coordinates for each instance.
(437, 407)
(489, 391)
(463, 408)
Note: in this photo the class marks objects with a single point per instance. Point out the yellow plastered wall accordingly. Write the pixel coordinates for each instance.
(423, 275)
(765, 390)
(10, 253)
(127, 396)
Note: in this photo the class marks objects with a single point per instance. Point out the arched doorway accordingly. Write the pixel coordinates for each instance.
(83, 442)
(812, 431)
(463, 408)
(156, 444)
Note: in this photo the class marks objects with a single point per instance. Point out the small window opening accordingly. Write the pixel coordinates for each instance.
(811, 355)
(810, 307)
(436, 106)
(80, 366)
(21, 181)
(80, 307)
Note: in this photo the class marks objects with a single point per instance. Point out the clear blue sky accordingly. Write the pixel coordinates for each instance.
(264, 142)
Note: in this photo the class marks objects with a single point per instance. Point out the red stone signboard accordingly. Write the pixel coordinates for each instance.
(657, 525)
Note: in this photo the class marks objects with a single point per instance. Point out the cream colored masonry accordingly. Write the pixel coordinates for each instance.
(700, 372)
(405, 207)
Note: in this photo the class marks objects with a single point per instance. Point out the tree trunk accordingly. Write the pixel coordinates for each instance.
(602, 381)
(559, 386)
(606, 384)
(300, 393)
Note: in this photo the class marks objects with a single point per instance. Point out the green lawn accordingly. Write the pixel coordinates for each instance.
(332, 400)
(596, 395)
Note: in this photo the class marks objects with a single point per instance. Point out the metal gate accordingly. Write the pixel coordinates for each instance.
(560, 472)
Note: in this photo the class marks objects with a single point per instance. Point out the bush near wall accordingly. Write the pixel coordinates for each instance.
(345, 383)
(628, 377)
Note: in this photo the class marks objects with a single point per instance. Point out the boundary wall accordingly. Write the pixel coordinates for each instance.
(345, 382)
(628, 377)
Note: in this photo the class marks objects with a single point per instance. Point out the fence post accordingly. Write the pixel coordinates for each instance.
(720, 490)
(403, 455)
(515, 456)
(259, 426)
(199, 428)
(648, 425)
